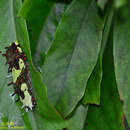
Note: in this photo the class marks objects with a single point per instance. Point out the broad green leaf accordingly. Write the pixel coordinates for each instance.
(14, 28)
(42, 32)
(77, 119)
(47, 33)
(73, 55)
(122, 57)
(49, 28)
(102, 3)
(107, 116)
(36, 12)
(92, 93)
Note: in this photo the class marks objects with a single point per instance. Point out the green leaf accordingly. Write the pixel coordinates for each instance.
(122, 57)
(102, 3)
(77, 120)
(47, 33)
(92, 92)
(41, 32)
(14, 28)
(107, 116)
(36, 12)
(73, 55)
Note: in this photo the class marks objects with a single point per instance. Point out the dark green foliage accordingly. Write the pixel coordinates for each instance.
(79, 61)
(108, 111)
